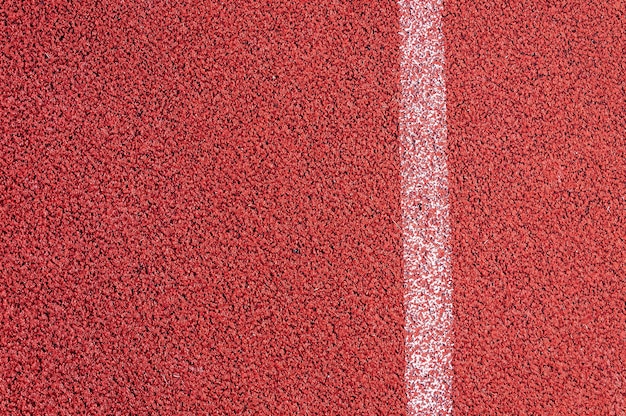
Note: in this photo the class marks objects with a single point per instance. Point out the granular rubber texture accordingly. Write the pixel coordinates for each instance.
(198, 208)
(537, 161)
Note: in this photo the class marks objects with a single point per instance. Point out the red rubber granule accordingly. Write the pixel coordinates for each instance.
(537, 161)
(198, 208)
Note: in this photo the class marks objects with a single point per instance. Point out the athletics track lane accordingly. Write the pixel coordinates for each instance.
(200, 208)
(537, 161)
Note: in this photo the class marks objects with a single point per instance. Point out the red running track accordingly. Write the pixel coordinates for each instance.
(537, 162)
(199, 207)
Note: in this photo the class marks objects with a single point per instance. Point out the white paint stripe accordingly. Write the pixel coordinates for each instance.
(425, 221)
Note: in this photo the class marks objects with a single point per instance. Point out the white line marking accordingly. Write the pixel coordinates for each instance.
(425, 211)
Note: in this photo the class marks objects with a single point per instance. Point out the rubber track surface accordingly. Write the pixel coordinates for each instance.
(537, 155)
(197, 207)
